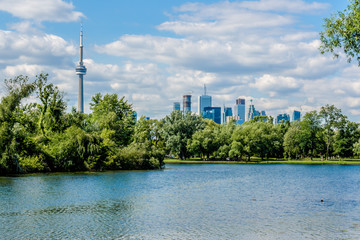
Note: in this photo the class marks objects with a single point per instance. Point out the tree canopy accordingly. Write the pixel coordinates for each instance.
(342, 33)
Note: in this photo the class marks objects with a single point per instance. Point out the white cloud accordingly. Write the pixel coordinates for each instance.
(293, 6)
(274, 85)
(41, 10)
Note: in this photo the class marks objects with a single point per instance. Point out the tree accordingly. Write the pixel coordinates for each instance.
(312, 140)
(332, 119)
(346, 136)
(52, 107)
(292, 141)
(342, 32)
(177, 129)
(11, 130)
(115, 115)
(205, 142)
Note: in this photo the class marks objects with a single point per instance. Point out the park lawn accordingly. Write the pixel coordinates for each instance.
(315, 161)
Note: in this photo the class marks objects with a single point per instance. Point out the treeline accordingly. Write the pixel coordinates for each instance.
(327, 133)
(40, 136)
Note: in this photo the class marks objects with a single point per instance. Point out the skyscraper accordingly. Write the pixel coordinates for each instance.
(253, 113)
(176, 106)
(213, 113)
(239, 109)
(204, 101)
(296, 116)
(227, 113)
(282, 118)
(186, 103)
(81, 71)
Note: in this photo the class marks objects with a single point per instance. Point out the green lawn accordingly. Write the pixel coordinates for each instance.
(270, 161)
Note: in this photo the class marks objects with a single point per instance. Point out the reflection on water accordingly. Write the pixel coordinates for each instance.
(185, 202)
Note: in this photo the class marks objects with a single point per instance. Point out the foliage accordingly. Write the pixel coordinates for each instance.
(342, 32)
(177, 129)
(40, 136)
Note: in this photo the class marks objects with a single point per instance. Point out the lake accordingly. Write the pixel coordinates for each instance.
(185, 201)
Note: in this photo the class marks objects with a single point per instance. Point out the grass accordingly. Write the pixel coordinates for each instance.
(315, 161)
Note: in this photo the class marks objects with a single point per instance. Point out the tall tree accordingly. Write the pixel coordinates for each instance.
(177, 129)
(113, 114)
(342, 33)
(332, 120)
(11, 131)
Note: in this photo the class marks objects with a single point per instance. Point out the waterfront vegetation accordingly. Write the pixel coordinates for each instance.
(38, 135)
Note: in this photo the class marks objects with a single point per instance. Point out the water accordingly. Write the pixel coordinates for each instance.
(210, 201)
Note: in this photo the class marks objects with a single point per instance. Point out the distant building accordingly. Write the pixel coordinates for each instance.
(186, 103)
(227, 113)
(147, 118)
(239, 109)
(296, 116)
(253, 113)
(282, 118)
(204, 101)
(213, 113)
(176, 106)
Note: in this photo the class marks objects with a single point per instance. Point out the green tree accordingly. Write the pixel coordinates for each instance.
(205, 142)
(312, 139)
(347, 135)
(52, 107)
(11, 131)
(293, 141)
(223, 135)
(332, 120)
(342, 32)
(115, 115)
(177, 129)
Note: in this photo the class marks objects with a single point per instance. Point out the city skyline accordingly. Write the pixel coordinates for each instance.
(267, 50)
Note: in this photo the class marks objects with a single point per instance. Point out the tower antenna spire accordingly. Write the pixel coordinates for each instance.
(204, 89)
(81, 71)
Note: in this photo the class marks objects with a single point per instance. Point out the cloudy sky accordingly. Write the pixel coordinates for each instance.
(153, 52)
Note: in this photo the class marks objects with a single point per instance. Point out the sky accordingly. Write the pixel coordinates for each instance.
(153, 52)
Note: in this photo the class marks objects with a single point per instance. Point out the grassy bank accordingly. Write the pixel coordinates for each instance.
(269, 161)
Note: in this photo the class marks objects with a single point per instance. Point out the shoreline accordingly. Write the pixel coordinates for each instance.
(268, 161)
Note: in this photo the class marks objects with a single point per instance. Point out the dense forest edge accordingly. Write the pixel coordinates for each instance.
(37, 134)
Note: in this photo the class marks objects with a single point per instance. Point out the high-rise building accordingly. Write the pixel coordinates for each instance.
(81, 71)
(282, 118)
(253, 113)
(296, 116)
(176, 106)
(227, 113)
(213, 113)
(204, 101)
(186, 103)
(239, 109)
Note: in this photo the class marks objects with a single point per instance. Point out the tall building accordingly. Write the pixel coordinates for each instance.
(282, 118)
(186, 103)
(204, 101)
(239, 109)
(176, 106)
(226, 114)
(296, 116)
(81, 71)
(253, 113)
(213, 113)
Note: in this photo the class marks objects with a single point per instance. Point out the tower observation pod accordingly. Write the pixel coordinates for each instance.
(81, 71)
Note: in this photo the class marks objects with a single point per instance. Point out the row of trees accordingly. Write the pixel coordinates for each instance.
(326, 133)
(40, 135)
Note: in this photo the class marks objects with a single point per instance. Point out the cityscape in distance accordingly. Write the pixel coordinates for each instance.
(237, 112)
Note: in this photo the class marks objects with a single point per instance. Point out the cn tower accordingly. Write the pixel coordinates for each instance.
(81, 71)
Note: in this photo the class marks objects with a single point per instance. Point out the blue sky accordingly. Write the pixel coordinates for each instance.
(153, 52)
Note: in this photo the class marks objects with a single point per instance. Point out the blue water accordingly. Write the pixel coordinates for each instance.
(210, 201)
